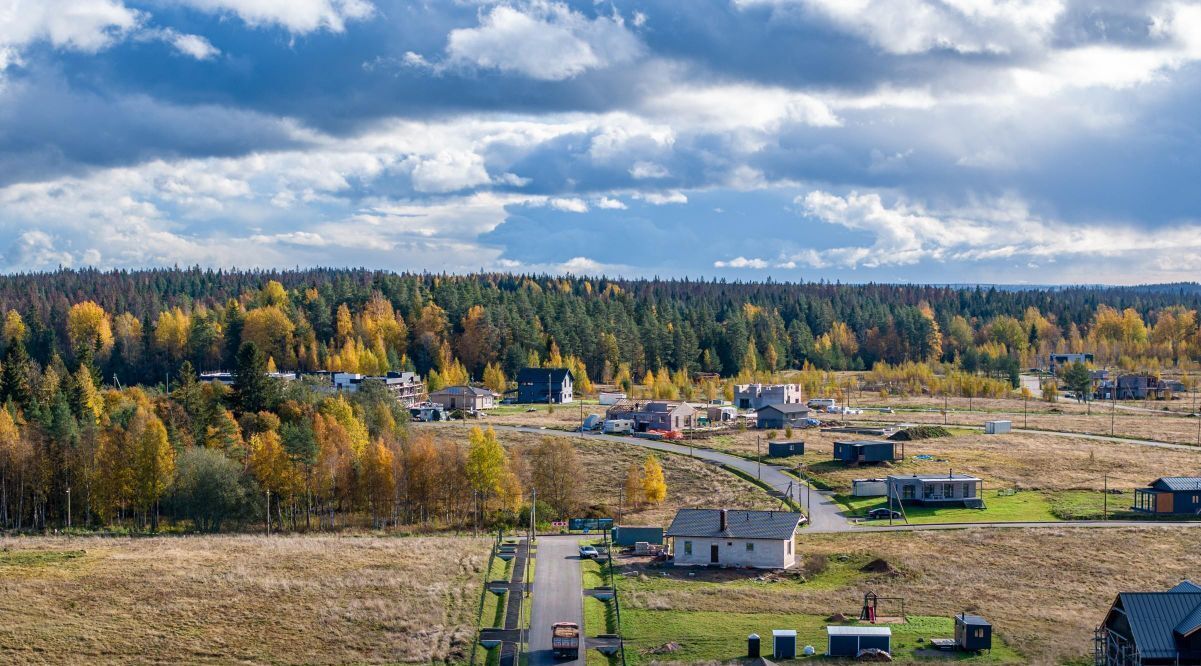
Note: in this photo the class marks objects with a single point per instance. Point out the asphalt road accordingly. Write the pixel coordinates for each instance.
(558, 596)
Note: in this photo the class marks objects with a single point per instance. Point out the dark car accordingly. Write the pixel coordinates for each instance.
(876, 514)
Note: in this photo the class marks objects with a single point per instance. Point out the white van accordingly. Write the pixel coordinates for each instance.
(618, 426)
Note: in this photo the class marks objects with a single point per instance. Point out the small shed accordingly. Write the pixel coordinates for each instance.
(864, 451)
(997, 427)
(848, 641)
(783, 643)
(972, 633)
(628, 535)
(781, 416)
(869, 487)
(785, 449)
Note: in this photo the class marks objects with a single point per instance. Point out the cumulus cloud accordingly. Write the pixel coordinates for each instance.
(569, 204)
(609, 203)
(297, 16)
(448, 171)
(741, 262)
(906, 233)
(79, 25)
(541, 40)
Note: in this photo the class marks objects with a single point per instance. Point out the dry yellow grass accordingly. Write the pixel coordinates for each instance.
(239, 599)
(690, 482)
(1044, 590)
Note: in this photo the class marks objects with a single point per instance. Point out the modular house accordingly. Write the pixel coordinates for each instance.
(972, 633)
(849, 641)
(544, 385)
(733, 538)
(654, 414)
(1170, 494)
(785, 449)
(628, 535)
(937, 489)
(754, 396)
(781, 416)
(864, 452)
(869, 487)
(467, 398)
(1151, 628)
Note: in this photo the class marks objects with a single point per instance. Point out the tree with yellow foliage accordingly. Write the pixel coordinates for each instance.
(89, 330)
(633, 492)
(494, 378)
(171, 333)
(654, 485)
(153, 465)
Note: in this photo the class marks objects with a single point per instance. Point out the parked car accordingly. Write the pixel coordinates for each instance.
(876, 514)
(587, 553)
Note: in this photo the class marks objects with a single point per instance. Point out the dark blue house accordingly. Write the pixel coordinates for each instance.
(863, 452)
(1151, 628)
(972, 633)
(1170, 494)
(543, 385)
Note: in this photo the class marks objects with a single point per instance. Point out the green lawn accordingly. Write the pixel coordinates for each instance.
(712, 636)
(1024, 506)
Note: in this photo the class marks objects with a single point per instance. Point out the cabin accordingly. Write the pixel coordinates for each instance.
(654, 414)
(785, 449)
(782, 416)
(849, 641)
(937, 489)
(1151, 628)
(544, 385)
(972, 633)
(466, 398)
(1170, 494)
(733, 538)
(860, 452)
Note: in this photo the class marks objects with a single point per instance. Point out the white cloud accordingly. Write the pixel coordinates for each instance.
(569, 204)
(79, 25)
(643, 170)
(448, 171)
(193, 45)
(296, 16)
(546, 41)
(907, 233)
(741, 262)
(609, 203)
(662, 198)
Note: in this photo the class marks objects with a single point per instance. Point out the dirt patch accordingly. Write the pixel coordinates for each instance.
(880, 566)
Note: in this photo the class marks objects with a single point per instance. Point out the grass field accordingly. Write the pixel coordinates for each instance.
(1044, 590)
(1025, 506)
(224, 599)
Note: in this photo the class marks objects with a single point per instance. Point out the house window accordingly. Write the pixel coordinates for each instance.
(750, 547)
(978, 633)
(948, 490)
(687, 547)
(790, 547)
(928, 491)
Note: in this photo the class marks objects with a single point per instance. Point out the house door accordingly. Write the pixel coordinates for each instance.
(713, 554)
(1163, 503)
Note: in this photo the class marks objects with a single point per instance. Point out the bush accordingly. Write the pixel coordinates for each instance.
(211, 489)
(920, 432)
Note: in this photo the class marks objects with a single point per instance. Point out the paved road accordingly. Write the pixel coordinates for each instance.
(824, 514)
(558, 595)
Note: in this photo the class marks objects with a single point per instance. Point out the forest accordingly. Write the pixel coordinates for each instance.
(104, 421)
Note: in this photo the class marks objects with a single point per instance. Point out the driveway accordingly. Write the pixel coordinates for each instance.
(558, 596)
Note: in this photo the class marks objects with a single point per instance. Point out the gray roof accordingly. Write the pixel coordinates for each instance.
(972, 619)
(786, 408)
(854, 630)
(866, 442)
(1178, 483)
(462, 390)
(934, 477)
(739, 524)
(1154, 616)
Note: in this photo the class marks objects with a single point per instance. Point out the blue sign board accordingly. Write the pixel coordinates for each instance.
(580, 524)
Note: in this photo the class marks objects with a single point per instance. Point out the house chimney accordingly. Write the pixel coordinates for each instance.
(723, 520)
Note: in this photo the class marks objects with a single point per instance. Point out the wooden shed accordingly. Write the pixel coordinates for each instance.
(785, 449)
(972, 633)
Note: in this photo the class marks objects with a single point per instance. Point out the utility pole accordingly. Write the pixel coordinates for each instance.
(945, 393)
(1025, 403)
(268, 512)
(1105, 500)
(1113, 412)
(68, 506)
(533, 516)
(758, 460)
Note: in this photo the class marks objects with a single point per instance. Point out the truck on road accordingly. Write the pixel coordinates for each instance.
(565, 640)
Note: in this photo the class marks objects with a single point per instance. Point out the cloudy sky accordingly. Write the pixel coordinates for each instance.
(1005, 141)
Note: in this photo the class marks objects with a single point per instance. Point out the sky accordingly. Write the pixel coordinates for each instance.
(943, 141)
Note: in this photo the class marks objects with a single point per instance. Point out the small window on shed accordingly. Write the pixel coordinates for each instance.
(1196, 499)
(687, 547)
(750, 546)
(978, 633)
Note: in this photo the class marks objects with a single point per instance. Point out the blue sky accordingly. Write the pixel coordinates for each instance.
(1006, 141)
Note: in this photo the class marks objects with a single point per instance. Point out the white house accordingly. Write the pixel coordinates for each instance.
(733, 538)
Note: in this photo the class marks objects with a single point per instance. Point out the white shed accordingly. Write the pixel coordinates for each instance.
(997, 427)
